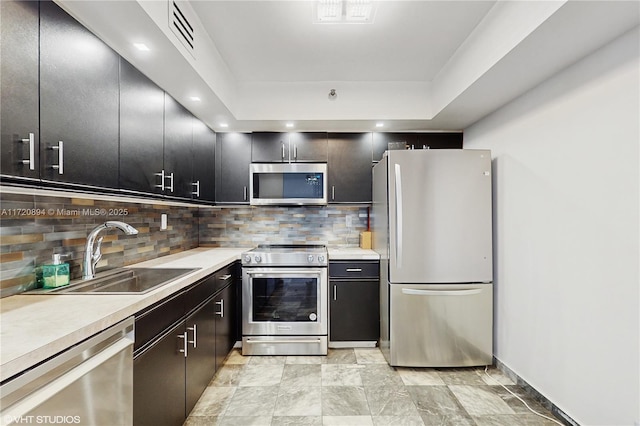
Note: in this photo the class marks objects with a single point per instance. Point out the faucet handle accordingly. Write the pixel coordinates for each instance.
(97, 253)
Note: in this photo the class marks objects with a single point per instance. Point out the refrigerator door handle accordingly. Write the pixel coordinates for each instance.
(398, 215)
(415, 292)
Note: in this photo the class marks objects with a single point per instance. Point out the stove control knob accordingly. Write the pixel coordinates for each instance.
(258, 259)
(247, 259)
(310, 258)
(320, 258)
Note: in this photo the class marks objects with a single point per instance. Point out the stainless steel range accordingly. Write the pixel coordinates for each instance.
(284, 300)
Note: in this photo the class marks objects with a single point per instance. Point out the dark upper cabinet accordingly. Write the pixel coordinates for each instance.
(141, 131)
(308, 147)
(349, 167)
(19, 119)
(278, 147)
(178, 149)
(79, 103)
(232, 168)
(424, 140)
(204, 151)
(269, 147)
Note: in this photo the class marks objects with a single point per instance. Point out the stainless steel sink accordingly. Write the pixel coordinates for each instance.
(120, 281)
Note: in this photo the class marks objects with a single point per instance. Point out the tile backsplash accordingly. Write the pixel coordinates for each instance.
(33, 227)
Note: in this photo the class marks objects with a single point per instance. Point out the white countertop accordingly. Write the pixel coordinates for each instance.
(352, 253)
(36, 327)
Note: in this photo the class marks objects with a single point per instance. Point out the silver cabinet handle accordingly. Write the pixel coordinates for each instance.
(463, 292)
(161, 174)
(333, 192)
(398, 174)
(354, 269)
(224, 277)
(184, 349)
(32, 151)
(335, 292)
(295, 152)
(194, 342)
(197, 186)
(221, 303)
(283, 150)
(244, 194)
(60, 166)
(170, 187)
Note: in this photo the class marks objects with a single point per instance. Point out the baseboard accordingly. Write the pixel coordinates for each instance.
(356, 344)
(531, 391)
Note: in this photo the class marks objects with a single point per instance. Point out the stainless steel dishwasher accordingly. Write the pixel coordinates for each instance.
(90, 383)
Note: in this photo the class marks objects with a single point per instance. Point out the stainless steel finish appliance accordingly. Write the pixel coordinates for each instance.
(288, 184)
(284, 300)
(432, 227)
(89, 384)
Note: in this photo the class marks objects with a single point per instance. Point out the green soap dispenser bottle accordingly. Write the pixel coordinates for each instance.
(55, 274)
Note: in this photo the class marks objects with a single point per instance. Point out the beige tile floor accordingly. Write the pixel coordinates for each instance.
(355, 387)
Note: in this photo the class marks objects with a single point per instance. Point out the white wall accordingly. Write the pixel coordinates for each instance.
(566, 232)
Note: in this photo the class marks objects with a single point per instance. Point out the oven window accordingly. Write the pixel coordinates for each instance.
(285, 299)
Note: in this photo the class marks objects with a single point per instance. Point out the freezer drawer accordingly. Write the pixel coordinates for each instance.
(438, 325)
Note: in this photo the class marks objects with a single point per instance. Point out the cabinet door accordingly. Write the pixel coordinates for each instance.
(79, 100)
(354, 311)
(204, 151)
(349, 167)
(159, 381)
(141, 131)
(382, 140)
(19, 88)
(269, 147)
(178, 149)
(201, 359)
(309, 147)
(233, 175)
(225, 323)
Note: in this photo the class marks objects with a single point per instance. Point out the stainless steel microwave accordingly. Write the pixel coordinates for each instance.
(288, 184)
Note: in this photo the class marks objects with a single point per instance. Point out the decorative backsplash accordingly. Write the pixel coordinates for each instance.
(33, 227)
(247, 226)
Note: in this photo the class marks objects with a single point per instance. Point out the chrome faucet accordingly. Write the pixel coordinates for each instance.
(92, 256)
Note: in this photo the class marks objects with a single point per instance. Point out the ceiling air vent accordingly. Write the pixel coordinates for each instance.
(180, 21)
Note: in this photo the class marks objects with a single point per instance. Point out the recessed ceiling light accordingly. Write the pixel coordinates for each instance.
(379, 124)
(289, 125)
(195, 98)
(344, 11)
(141, 46)
(224, 125)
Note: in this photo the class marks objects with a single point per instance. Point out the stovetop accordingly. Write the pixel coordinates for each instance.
(286, 255)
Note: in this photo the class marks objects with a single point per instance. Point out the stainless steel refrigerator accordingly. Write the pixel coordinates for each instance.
(431, 223)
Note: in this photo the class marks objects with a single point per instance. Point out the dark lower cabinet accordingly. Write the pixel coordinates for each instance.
(201, 352)
(180, 343)
(354, 301)
(225, 324)
(159, 381)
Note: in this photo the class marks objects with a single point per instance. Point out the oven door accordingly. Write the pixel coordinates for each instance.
(284, 301)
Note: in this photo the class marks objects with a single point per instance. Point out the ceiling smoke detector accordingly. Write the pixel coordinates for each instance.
(332, 94)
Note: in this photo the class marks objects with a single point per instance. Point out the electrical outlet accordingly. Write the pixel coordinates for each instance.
(349, 220)
(163, 221)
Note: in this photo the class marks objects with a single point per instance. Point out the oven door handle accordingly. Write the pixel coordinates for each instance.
(282, 272)
(318, 340)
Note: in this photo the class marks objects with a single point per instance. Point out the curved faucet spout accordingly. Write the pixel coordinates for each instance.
(92, 256)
